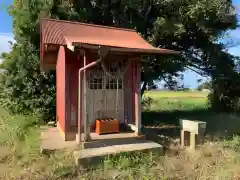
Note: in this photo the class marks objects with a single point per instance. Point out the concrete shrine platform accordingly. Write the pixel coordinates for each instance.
(99, 147)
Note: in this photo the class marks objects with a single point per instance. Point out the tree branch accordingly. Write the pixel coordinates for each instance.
(169, 85)
(194, 70)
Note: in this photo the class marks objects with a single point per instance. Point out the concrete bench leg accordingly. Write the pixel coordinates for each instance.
(192, 140)
(184, 138)
(200, 137)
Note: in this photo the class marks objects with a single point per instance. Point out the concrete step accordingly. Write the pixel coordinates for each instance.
(93, 156)
(115, 140)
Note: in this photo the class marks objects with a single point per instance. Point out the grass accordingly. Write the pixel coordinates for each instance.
(178, 104)
(218, 158)
(19, 141)
(210, 161)
(170, 101)
(176, 94)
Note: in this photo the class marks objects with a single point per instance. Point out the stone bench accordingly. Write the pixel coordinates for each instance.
(192, 132)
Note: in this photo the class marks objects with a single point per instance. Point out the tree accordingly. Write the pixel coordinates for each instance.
(192, 27)
(225, 82)
(25, 88)
(205, 85)
(152, 85)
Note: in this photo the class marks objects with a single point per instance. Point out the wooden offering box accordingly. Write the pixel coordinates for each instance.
(105, 126)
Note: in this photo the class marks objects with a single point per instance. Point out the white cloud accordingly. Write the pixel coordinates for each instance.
(4, 45)
(4, 38)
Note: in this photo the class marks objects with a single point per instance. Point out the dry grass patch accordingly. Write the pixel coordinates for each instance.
(20, 157)
(209, 162)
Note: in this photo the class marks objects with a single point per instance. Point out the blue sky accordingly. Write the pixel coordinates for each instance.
(5, 26)
(190, 78)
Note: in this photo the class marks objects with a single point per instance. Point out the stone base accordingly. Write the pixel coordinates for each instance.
(52, 140)
(98, 143)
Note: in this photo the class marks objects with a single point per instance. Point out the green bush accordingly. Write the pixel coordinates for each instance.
(233, 144)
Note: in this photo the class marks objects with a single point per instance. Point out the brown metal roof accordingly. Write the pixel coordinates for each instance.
(66, 32)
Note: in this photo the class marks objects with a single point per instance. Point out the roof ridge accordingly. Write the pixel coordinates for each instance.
(89, 24)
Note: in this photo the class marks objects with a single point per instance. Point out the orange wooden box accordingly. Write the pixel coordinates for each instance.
(107, 126)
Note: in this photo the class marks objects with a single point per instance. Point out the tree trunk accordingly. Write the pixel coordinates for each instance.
(143, 88)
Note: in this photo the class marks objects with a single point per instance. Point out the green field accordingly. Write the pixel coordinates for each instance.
(168, 107)
(176, 94)
(218, 158)
(169, 101)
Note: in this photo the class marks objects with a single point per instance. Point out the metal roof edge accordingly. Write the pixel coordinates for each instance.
(127, 50)
(89, 24)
